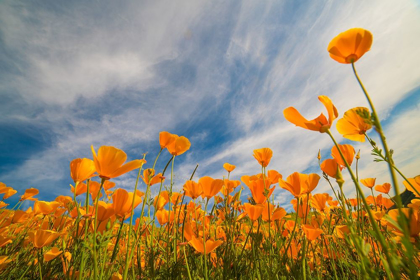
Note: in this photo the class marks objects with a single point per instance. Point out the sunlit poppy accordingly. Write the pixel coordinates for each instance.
(109, 162)
(45, 207)
(192, 189)
(368, 182)
(347, 47)
(319, 201)
(166, 138)
(352, 126)
(229, 167)
(198, 244)
(321, 123)
(347, 151)
(298, 184)
(41, 238)
(263, 156)
(415, 185)
(179, 146)
(81, 169)
(80, 188)
(330, 167)
(150, 179)
(29, 193)
(384, 188)
(122, 201)
(52, 254)
(210, 186)
(311, 233)
(253, 211)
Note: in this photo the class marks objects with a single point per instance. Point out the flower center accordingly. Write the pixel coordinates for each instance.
(351, 58)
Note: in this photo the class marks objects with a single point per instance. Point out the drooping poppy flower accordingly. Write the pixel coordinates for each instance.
(253, 211)
(321, 123)
(29, 193)
(229, 167)
(192, 189)
(352, 126)
(348, 153)
(109, 162)
(263, 156)
(7, 191)
(198, 244)
(166, 138)
(415, 185)
(41, 238)
(81, 169)
(347, 47)
(210, 186)
(311, 232)
(384, 188)
(179, 146)
(52, 254)
(368, 182)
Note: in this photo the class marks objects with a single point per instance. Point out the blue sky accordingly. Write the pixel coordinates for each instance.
(75, 74)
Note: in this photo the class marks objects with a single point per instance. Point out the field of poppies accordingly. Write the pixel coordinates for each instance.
(208, 230)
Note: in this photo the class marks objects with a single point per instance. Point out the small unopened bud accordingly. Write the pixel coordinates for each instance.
(339, 177)
(319, 155)
(358, 155)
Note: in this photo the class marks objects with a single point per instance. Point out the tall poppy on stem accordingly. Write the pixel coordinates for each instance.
(263, 156)
(109, 162)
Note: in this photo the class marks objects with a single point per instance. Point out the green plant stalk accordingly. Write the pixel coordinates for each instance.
(82, 266)
(95, 257)
(395, 271)
(383, 140)
(129, 255)
(206, 277)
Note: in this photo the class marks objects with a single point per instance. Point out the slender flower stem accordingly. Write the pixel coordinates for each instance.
(129, 255)
(378, 126)
(371, 218)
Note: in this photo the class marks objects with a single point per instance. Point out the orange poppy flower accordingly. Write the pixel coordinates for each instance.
(52, 254)
(105, 211)
(94, 189)
(319, 201)
(166, 138)
(29, 193)
(109, 162)
(80, 188)
(198, 244)
(164, 217)
(311, 233)
(45, 207)
(179, 146)
(4, 261)
(229, 186)
(229, 167)
(253, 211)
(259, 188)
(81, 169)
(7, 191)
(42, 238)
(384, 188)
(368, 182)
(348, 153)
(415, 182)
(413, 221)
(321, 123)
(149, 178)
(192, 189)
(347, 47)
(210, 186)
(122, 201)
(342, 231)
(330, 167)
(162, 201)
(298, 184)
(352, 126)
(263, 156)
(276, 213)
